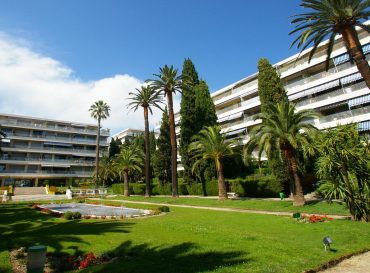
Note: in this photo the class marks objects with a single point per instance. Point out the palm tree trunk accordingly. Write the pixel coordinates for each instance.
(147, 154)
(298, 198)
(355, 50)
(97, 154)
(173, 145)
(222, 193)
(126, 191)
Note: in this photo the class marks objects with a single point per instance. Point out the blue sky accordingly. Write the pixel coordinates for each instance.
(97, 39)
(57, 57)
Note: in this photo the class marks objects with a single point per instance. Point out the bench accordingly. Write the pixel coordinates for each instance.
(232, 195)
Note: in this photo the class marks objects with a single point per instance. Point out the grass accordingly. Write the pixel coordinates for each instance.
(185, 240)
(254, 204)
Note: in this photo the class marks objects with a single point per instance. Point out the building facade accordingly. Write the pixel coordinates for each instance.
(38, 150)
(128, 134)
(340, 94)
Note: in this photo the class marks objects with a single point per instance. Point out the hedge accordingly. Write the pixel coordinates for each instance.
(256, 186)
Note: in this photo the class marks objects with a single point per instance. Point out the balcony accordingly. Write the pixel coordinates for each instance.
(52, 150)
(27, 160)
(53, 138)
(346, 114)
(56, 127)
(44, 173)
(331, 95)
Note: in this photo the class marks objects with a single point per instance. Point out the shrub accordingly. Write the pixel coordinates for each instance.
(165, 189)
(76, 215)
(68, 215)
(164, 209)
(117, 188)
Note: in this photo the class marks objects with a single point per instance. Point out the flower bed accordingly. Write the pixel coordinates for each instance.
(313, 219)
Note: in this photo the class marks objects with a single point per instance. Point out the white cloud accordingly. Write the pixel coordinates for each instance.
(36, 85)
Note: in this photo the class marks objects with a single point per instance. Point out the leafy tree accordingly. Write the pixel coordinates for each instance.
(128, 160)
(211, 144)
(168, 83)
(99, 110)
(327, 18)
(146, 97)
(189, 116)
(205, 108)
(114, 147)
(343, 165)
(284, 129)
(271, 91)
(162, 156)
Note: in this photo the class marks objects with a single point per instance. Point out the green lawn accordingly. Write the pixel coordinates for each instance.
(186, 240)
(255, 204)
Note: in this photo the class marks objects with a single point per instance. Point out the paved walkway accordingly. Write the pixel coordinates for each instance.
(280, 213)
(356, 264)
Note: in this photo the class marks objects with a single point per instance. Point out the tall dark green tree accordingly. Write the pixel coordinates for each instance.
(188, 116)
(271, 91)
(205, 108)
(162, 156)
(114, 147)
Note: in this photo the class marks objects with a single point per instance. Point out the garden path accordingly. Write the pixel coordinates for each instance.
(356, 264)
(280, 213)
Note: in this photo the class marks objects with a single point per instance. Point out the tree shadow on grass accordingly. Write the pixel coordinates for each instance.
(22, 226)
(181, 258)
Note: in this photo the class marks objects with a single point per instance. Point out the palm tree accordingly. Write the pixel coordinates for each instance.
(211, 144)
(168, 83)
(129, 159)
(288, 131)
(106, 170)
(146, 97)
(327, 18)
(99, 110)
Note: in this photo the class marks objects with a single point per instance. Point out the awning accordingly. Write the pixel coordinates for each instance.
(55, 165)
(341, 59)
(331, 106)
(235, 132)
(351, 78)
(366, 48)
(364, 126)
(359, 100)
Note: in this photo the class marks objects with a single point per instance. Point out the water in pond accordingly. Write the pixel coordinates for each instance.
(98, 210)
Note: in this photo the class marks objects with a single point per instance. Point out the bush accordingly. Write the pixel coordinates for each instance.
(76, 215)
(256, 186)
(164, 209)
(68, 215)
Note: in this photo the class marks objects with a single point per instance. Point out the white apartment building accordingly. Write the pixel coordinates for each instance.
(340, 94)
(36, 150)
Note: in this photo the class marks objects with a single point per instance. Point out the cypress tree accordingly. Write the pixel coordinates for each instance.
(188, 116)
(162, 155)
(204, 107)
(271, 90)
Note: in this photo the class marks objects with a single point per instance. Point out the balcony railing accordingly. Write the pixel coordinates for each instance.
(57, 138)
(80, 173)
(48, 160)
(52, 149)
(55, 127)
(345, 114)
(333, 94)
